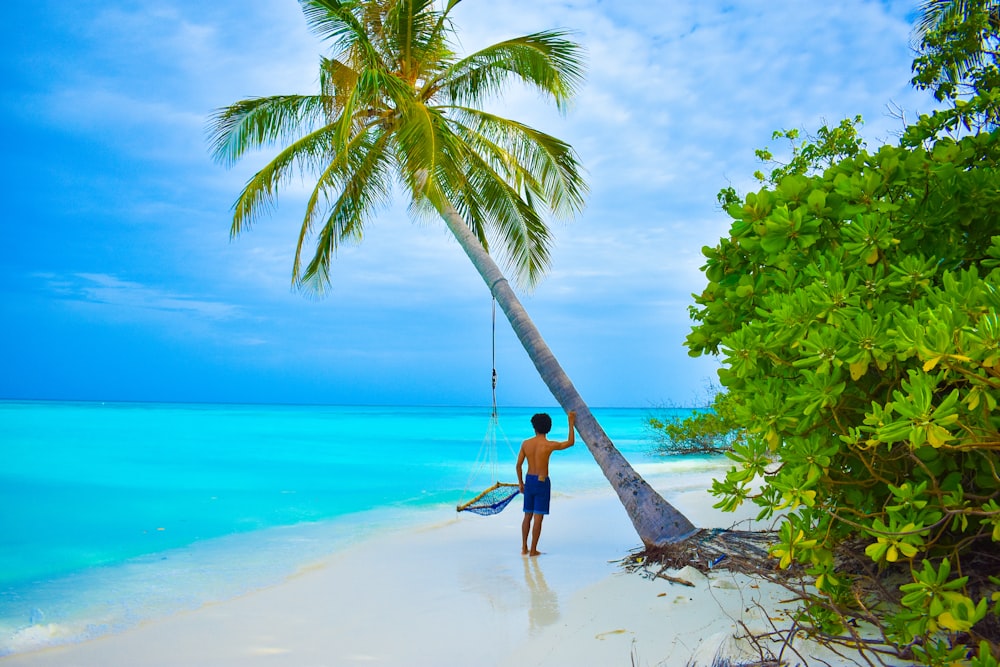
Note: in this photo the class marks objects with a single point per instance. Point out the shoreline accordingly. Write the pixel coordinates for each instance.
(458, 592)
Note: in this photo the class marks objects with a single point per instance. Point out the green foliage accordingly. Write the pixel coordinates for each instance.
(711, 431)
(398, 107)
(855, 305)
(959, 44)
(820, 151)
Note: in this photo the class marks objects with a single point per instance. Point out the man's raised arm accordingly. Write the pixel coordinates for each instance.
(571, 438)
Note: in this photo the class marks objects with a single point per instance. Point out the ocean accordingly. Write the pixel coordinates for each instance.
(112, 513)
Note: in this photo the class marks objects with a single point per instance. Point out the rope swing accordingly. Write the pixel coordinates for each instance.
(494, 499)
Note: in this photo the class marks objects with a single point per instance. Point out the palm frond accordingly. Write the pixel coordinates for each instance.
(419, 140)
(545, 60)
(335, 173)
(497, 213)
(335, 21)
(349, 25)
(259, 194)
(357, 110)
(364, 187)
(545, 165)
(260, 121)
(410, 33)
(963, 33)
(337, 80)
(444, 25)
(934, 13)
(516, 227)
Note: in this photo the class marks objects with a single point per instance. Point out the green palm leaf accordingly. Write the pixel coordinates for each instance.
(545, 60)
(259, 122)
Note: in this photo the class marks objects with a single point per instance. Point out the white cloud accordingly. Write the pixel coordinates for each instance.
(135, 298)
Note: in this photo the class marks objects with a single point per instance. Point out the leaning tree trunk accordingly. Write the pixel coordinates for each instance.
(656, 521)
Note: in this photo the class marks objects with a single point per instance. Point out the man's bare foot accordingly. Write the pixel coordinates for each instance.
(532, 554)
(524, 551)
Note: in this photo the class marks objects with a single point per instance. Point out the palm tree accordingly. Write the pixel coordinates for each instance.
(935, 13)
(398, 108)
(958, 46)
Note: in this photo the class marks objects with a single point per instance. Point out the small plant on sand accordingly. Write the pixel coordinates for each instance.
(855, 305)
(710, 431)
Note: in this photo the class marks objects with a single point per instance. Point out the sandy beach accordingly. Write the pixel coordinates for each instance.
(460, 593)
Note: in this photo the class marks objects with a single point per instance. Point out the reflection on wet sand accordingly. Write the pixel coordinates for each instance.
(544, 607)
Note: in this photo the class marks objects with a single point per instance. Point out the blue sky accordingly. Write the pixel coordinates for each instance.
(118, 280)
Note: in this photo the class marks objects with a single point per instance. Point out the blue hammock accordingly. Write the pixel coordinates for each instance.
(492, 500)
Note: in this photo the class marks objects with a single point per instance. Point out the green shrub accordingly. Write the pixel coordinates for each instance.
(855, 305)
(708, 431)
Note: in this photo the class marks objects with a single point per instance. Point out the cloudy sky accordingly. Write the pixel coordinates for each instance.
(118, 280)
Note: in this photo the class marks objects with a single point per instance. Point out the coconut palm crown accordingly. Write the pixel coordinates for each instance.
(398, 109)
(397, 106)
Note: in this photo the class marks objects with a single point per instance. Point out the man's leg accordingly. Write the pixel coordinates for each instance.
(530, 498)
(525, 528)
(536, 532)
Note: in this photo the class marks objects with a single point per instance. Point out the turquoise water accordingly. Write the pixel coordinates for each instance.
(111, 513)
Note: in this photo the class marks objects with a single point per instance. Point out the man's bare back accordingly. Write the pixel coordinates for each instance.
(537, 450)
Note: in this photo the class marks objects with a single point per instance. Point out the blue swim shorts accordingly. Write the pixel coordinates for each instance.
(537, 495)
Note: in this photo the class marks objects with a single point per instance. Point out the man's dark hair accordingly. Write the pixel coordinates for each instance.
(542, 423)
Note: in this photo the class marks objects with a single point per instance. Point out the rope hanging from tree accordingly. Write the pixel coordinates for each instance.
(494, 499)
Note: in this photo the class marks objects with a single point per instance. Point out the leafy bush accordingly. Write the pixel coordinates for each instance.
(856, 308)
(709, 431)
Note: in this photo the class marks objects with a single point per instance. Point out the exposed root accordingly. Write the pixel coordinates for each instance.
(747, 552)
(744, 551)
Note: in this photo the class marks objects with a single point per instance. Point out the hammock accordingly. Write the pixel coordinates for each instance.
(495, 498)
(492, 500)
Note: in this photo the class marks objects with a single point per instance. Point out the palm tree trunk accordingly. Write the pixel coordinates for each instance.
(656, 521)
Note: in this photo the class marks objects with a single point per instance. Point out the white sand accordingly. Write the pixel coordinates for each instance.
(460, 593)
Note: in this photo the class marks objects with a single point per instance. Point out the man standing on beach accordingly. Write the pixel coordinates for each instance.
(537, 487)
